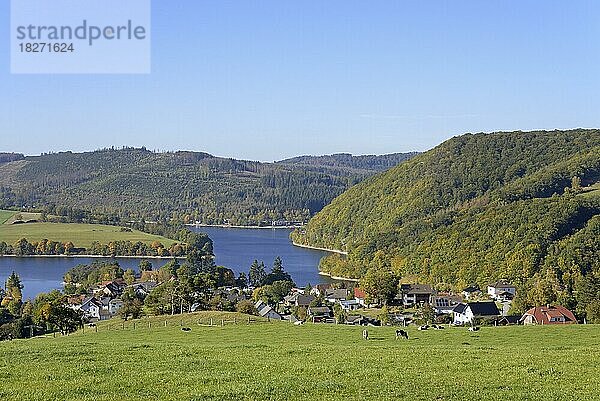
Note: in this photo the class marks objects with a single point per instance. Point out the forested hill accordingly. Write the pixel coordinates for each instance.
(523, 206)
(186, 186)
(376, 163)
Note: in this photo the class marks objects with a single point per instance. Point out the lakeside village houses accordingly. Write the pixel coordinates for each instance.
(103, 302)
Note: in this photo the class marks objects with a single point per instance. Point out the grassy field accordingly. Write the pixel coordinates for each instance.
(82, 235)
(279, 361)
(5, 215)
(592, 190)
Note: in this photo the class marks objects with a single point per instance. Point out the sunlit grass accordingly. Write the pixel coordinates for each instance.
(281, 361)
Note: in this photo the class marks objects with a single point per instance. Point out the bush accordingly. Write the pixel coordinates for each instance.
(247, 307)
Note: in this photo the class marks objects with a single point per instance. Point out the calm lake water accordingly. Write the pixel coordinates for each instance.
(234, 248)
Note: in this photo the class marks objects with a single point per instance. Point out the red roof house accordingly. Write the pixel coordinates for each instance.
(551, 314)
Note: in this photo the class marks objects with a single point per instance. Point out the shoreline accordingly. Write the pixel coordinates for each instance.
(92, 256)
(354, 280)
(246, 227)
(316, 248)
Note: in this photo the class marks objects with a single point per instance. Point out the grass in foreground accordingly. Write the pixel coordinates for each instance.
(279, 361)
(81, 235)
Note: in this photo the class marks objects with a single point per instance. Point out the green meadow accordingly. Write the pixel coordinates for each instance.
(5, 215)
(81, 235)
(280, 361)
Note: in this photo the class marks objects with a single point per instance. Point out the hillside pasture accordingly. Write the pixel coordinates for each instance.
(5, 215)
(81, 235)
(280, 361)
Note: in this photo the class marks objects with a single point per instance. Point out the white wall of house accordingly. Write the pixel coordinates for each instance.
(494, 292)
(464, 318)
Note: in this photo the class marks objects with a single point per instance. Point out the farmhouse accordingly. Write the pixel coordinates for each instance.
(549, 315)
(415, 294)
(466, 312)
(501, 291)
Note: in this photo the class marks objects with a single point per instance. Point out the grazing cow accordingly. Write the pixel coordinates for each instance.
(425, 327)
(401, 333)
(474, 328)
(365, 334)
(186, 329)
(92, 325)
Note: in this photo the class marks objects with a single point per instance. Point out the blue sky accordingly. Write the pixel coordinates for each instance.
(265, 80)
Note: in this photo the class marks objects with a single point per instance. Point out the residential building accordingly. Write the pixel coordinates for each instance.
(416, 294)
(465, 312)
(501, 291)
(336, 295)
(444, 304)
(349, 304)
(550, 314)
(298, 299)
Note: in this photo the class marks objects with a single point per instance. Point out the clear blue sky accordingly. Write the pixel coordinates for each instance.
(264, 80)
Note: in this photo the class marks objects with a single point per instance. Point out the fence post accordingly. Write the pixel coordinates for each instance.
(211, 321)
(165, 323)
(222, 323)
(234, 321)
(96, 328)
(134, 325)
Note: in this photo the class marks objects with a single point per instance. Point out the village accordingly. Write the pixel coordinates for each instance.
(417, 304)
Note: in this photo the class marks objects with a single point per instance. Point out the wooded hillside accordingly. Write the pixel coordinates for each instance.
(519, 206)
(185, 186)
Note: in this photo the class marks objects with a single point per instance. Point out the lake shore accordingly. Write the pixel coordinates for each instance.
(354, 280)
(339, 252)
(247, 227)
(91, 257)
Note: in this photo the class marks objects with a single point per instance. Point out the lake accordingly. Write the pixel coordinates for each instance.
(235, 248)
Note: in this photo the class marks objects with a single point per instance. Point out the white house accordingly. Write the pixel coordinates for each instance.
(350, 304)
(465, 312)
(91, 308)
(501, 291)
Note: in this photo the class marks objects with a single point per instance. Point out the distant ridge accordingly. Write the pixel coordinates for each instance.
(136, 183)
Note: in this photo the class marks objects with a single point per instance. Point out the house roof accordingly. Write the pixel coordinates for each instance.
(416, 289)
(305, 300)
(483, 308)
(460, 308)
(340, 293)
(543, 314)
(471, 289)
(359, 293)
